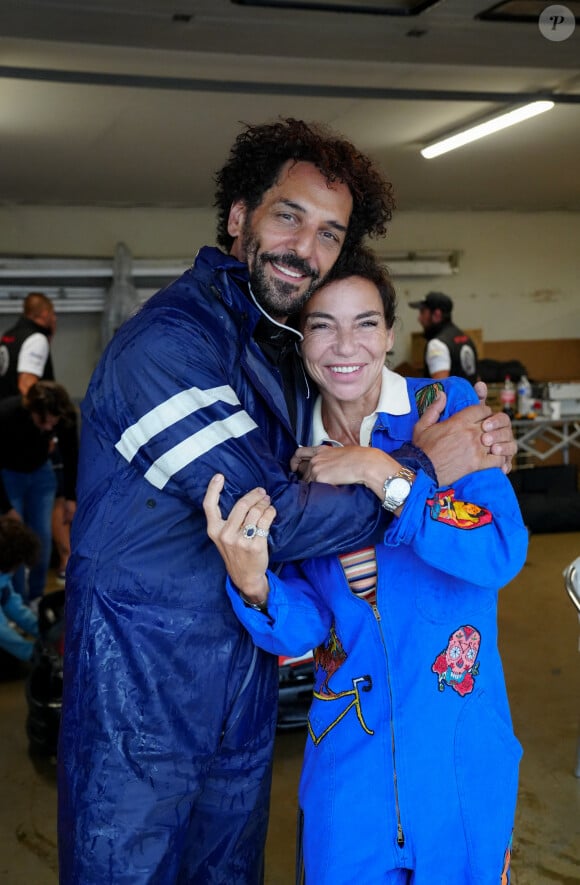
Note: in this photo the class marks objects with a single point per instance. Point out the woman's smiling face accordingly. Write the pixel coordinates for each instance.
(346, 340)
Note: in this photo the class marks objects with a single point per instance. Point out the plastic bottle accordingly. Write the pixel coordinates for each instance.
(508, 397)
(524, 396)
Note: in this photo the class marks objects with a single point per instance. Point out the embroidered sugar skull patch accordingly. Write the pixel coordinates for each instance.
(458, 514)
(427, 395)
(457, 666)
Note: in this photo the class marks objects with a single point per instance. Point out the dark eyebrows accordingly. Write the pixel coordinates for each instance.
(317, 315)
(369, 313)
(321, 315)
(298, 208)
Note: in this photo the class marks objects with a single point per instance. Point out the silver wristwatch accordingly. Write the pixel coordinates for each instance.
(397, 488)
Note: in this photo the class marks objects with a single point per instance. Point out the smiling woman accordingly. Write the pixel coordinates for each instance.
(407, 670)
(346, 340)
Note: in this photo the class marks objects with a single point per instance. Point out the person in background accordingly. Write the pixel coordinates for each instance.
(409, 733)
(19, 546)
(28, 425)
(25, 348)
(449, 351)
(169, 709)
(25, 358)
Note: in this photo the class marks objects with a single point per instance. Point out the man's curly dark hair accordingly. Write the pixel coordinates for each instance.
(19, 545)
(260, 151)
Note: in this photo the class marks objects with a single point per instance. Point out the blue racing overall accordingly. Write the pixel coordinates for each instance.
(411, 762)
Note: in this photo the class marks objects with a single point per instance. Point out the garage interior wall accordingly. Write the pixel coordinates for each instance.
(518, 275)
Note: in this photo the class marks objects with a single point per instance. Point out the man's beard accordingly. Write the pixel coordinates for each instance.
(433, 330)
(279, 298)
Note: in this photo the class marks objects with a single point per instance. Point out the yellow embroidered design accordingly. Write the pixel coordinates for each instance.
(329, 658)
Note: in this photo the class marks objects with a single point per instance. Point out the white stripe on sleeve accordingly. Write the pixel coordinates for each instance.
(177, 407)
(197, 445)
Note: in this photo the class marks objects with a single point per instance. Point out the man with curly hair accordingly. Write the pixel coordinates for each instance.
(169, 709)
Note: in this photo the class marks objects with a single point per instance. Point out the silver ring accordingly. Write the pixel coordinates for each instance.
(250, 531)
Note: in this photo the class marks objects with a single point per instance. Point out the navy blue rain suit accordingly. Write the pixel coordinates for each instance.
(169, 709)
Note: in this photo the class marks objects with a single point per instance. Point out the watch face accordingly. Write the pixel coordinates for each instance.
(398, 488)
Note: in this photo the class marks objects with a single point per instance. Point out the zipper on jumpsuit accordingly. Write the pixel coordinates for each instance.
(380, 426)
(400, 832)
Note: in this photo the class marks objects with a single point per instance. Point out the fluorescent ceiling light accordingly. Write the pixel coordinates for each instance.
(487, 128)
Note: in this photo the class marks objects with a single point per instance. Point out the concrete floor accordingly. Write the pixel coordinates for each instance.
(539, 634)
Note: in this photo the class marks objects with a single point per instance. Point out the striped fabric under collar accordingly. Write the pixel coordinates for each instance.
(360, 570)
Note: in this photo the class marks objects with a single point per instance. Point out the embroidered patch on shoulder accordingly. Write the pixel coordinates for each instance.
(427, 395)
(459, 514)
(457, 665)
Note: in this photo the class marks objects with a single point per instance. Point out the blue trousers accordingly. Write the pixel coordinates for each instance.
(32, 495)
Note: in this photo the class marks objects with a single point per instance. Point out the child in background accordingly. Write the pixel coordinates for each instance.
(18, 546)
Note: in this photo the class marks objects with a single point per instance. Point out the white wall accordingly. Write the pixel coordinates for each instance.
(94, 232)
(518, 278)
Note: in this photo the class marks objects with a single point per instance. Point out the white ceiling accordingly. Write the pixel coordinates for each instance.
(136, 102)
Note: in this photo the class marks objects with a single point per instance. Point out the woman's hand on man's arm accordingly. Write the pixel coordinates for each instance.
(245, 553)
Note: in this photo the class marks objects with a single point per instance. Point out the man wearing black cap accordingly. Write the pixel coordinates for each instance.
(449, 351)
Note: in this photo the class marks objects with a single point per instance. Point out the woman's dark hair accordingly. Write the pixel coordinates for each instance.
(362, 262)
(18, 544)
(259, 152)
(49, 398)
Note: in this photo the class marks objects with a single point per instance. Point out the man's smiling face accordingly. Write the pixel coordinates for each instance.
(293, 238)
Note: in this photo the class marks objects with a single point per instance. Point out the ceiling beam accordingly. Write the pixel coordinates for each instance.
(253, 87)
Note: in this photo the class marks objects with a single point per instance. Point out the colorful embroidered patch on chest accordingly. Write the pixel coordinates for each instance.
(328, 659)
(457, 666)
(458, 514)
(427, 395)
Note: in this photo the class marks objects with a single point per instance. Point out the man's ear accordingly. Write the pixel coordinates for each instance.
(237, 218)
